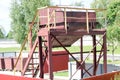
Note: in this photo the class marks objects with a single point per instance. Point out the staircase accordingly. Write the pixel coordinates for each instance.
(32, 66)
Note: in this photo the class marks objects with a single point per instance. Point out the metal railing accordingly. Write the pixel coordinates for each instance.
(53, 9)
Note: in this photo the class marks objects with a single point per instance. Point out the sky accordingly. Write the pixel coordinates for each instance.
(4, 14)
(5, 10)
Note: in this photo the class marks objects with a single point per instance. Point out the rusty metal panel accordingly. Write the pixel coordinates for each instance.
(72, 16)
(43, 14)
(65, 40)
(60, 61)
(80, 16)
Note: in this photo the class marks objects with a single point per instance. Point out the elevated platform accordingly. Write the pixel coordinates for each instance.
(69, 37)
(67, 24)
(61, 27)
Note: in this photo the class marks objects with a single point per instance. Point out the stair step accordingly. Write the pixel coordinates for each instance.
(28, 73)
(33, 69)
(33, 63)
(35, 58)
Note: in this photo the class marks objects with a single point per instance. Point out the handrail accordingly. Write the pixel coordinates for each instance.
(65, 9)
(24, 42)
(77, 8)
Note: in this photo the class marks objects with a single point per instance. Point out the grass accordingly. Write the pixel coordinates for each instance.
(10, 49)
(71, 49)
(77, 48)
(61, 73)
(89, 48)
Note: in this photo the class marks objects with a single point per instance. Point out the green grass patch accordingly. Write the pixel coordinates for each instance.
(89, 48)
(77, 48)
(71, 49)
(117, 51)
(10, 49)
(61, 73)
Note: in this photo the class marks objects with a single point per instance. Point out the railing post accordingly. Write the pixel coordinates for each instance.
(48, 18)
(65, 19)
(87, 21)
(54, 19)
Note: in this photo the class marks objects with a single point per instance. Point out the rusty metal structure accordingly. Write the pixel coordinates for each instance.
(59, 26)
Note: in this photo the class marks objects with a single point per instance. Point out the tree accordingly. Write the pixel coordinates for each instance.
(113, 31)
(113, 18)
(101, 15)
(2, 32)
(22, 12)
(10, 35)
(102, 4)
(78, 4)
(113, 12)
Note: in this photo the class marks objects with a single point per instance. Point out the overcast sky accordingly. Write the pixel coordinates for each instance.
(5, 10)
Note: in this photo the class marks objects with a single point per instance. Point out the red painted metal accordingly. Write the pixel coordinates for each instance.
(10, 77)
(50, 66)
(81, 66)
(81, 54)
(107, 76)
(104, 53)
(94, 55)
(60, 62)
(40, 57)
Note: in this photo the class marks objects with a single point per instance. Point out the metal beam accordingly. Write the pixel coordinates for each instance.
(40, 57)
(94, 54)
(105, 53)
(81, 55)
(50, 66)
(80, 65)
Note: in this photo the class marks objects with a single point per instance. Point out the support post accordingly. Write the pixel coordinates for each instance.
(105, 53)
(40, 57)
(87, 21)
(65, 15)
(81, 54)
(94, 55)
(50, 67)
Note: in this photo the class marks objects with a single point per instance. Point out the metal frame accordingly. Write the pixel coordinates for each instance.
(50, 35)
(81, 64)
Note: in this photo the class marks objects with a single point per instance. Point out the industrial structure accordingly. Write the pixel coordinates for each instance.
(59, 26)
